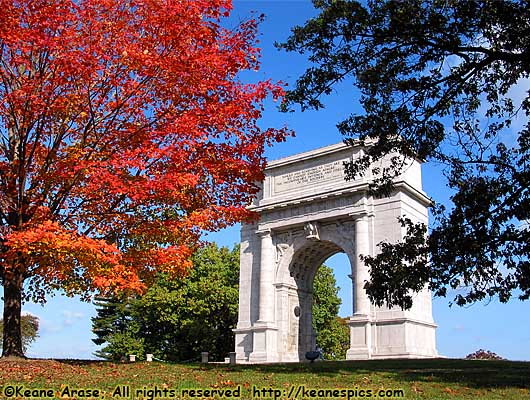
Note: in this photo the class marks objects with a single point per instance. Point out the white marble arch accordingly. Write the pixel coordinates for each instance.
(309, 212)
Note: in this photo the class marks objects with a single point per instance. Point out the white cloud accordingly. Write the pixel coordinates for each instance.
(46, 326)
(73, 314)
(70, 317)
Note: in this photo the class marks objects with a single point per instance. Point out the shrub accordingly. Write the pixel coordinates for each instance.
(482, 354)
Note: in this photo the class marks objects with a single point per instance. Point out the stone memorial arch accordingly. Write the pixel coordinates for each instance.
(309, 212)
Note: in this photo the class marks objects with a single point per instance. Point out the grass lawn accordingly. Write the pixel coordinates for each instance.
(409, 379)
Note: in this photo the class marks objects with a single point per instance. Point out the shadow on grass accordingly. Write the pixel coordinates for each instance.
(479, 374)
(471, 373)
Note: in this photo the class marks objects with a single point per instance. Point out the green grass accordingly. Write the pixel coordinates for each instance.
(418, 379)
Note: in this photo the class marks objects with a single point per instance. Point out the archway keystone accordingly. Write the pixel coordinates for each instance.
(309, 212)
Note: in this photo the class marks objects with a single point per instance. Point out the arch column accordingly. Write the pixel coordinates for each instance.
(360, 322)
(265, 331)
(266, 277)
(361, 304)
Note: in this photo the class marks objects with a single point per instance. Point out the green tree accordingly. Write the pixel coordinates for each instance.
(334, 339)
(177, 320)
(115, 325)
(333, 335)
(29, 326)
(438, 81)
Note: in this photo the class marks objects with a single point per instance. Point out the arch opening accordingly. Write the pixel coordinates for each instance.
(303, 268)
(332, 306)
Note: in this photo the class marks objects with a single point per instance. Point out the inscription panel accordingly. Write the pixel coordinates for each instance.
(312, 176)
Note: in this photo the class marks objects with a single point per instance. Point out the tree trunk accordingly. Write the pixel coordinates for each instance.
(12, 345)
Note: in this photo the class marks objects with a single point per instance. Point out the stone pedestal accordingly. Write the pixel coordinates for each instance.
(360, 337)
(265, 343)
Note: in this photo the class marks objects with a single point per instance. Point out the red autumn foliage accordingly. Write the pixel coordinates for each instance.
(125, 132)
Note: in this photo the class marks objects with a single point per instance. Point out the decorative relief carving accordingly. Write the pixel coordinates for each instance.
(280, 251)
(311, 230)
(346, 230)
(283, 242)
(284, 237)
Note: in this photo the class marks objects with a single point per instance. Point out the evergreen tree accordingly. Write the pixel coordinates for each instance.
(176, 319)
(115, 325)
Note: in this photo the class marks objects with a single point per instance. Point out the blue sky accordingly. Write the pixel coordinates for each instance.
(65, 330)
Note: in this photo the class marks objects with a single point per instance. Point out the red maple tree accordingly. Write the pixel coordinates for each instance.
(125, 132)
